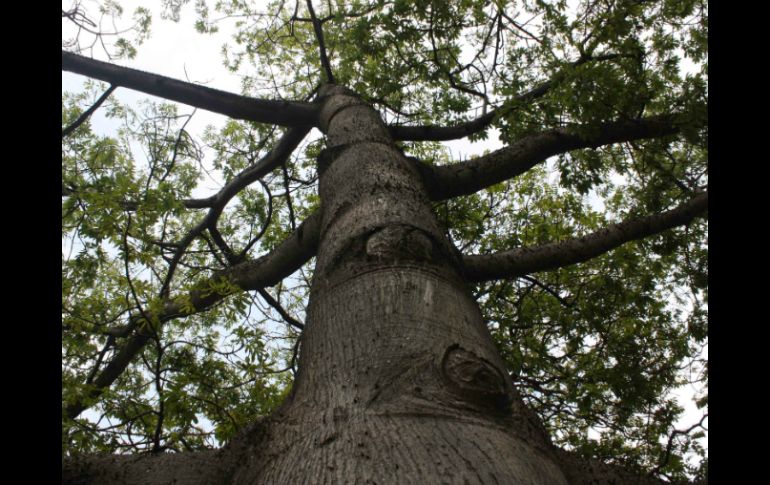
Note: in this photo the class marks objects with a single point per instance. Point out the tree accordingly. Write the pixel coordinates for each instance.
(465, 321)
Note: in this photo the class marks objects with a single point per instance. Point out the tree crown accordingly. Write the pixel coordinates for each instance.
(181, 308)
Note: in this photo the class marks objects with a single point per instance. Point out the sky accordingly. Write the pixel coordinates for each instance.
(177, 51)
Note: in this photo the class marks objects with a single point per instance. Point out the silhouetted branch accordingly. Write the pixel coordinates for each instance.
(467, 177)
(268, 218)
(281, 311)
(285, 113)
(319, 33)
(468, 128)
(670, 444)
(290, 140)
(521, 261)
(87, 113)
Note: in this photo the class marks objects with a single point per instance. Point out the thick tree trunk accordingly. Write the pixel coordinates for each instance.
(399, 379)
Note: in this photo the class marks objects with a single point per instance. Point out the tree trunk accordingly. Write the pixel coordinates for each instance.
(399, 380)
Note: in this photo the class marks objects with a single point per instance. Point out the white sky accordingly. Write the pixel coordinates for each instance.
(176, 50)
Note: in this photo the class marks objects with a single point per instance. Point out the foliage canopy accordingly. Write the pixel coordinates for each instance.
(595, 348)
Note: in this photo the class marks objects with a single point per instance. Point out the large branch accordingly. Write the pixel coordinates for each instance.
(521, 261)
(266, 271)
(285, 113)
(189, 468)
(447, 181)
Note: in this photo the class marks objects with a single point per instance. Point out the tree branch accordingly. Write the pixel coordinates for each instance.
(465, 178)
(548, 290)
(521, 261)
(190, 467)
(230, 256)
(87, 113)
(285, 113)
(578, 470)
(265, 224)
(319, 33)
(444, 70)
(445, 133)
(670, 444)
(590, 471)
(265, 165)
(132, 205)
(266, 271)
(281, 311)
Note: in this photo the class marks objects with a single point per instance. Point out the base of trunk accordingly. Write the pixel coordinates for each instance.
(370, 448)
(366, 448)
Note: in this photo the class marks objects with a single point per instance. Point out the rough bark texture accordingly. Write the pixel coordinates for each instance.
(399, 381)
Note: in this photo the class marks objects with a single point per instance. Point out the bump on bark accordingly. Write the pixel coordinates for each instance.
(475, 379)
(328, 156)
(399, 242)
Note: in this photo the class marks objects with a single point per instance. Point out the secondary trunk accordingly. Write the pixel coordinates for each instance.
(399, 380)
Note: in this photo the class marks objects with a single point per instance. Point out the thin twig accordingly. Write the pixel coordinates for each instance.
(87, 113)
(321, 44)
(277, 306)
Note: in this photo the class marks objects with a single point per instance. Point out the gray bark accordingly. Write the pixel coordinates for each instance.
(399, 380)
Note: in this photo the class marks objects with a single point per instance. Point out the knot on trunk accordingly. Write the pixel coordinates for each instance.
(400, 242)
(474, 378)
